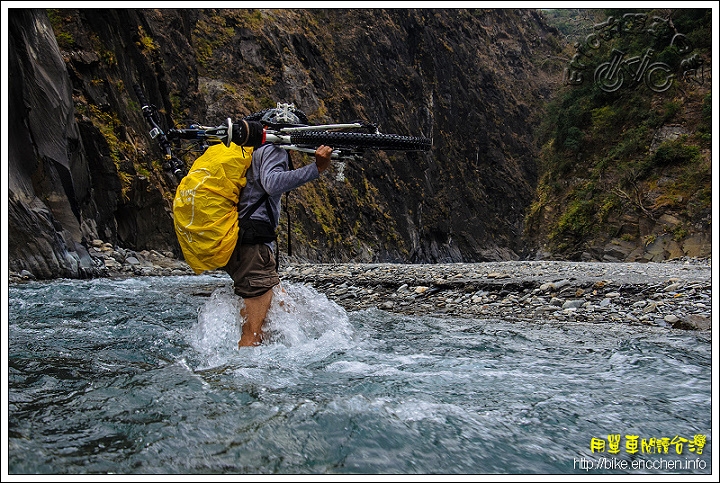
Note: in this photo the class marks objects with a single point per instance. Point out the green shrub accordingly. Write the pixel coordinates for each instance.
(705, 126)
(674, 152)
(575, 223)
(679, 233)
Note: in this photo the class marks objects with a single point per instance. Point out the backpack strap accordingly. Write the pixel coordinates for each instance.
(265, 198)
(287, 210)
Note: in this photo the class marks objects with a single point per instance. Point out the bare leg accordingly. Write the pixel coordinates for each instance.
(254, 312)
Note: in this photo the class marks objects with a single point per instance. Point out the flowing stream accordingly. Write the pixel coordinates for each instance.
(143, 376)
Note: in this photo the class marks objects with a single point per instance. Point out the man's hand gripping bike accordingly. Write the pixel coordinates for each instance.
(284, 126)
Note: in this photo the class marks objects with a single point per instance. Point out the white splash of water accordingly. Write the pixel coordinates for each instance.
(301, 323)
(300, 316)
(217, 331)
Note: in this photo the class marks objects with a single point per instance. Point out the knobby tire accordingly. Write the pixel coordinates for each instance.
(361, 140)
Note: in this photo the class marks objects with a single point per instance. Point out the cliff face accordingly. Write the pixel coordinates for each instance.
(50, 206)
(82, 166)
(466, 79)
(626, 158)
(485, 85)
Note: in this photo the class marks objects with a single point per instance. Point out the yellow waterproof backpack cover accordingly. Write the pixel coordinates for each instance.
(205, 206)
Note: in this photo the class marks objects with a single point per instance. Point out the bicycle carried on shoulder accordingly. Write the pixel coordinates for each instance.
(284, 126)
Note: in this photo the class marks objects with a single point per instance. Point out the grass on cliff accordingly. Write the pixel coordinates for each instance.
(603, 156)
(608, 166)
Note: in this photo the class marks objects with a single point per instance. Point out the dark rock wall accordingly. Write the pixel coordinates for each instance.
(65, 168)
(82, 166)
(50, 210)
(468, 79)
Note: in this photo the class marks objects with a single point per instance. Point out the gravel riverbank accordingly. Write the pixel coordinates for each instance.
(674, 294)
(670, 294)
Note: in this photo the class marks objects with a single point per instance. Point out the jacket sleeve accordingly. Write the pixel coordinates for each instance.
(275, 177)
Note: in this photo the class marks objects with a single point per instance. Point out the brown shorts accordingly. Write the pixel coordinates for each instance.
(253, 270)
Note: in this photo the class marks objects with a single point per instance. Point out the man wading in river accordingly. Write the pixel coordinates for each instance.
(252, 265)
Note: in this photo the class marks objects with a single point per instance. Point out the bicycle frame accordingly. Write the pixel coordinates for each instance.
(285, 128)
(280, 137)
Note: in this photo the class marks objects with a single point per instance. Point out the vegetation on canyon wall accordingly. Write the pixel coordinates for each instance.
(527, 161)
(628, 160)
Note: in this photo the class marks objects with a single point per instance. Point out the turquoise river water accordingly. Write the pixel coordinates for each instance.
(143, 376)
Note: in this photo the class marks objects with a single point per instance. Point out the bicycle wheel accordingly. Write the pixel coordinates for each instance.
(357, 140)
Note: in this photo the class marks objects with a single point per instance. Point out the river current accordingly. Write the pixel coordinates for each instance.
(143, 376)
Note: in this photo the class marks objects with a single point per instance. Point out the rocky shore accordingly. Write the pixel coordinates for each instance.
(116, 262)
(674, 294)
